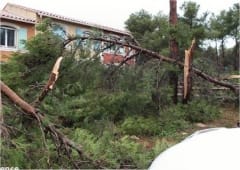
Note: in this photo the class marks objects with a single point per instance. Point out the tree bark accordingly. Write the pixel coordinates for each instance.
(188, 73)
(17, 100)
(173, 45)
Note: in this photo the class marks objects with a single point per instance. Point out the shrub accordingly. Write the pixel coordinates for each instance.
(115, 152)
(201, 111)
(173, 120)
(138, 125)
(194, 111)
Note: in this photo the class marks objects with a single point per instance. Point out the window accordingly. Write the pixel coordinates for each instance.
(96, 46)
(59, 31)
(8, 36)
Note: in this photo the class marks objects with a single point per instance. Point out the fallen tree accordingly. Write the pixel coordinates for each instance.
(62, 142)
(149, 53)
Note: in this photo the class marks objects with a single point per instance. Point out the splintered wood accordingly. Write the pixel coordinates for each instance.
(187, 71)
(51, 81)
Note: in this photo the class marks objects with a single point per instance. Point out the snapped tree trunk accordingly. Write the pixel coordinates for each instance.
(187, 83)
(51, 81)
(173, 49)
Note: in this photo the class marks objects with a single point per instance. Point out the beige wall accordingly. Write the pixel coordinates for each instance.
(70, 28)
(20, 11)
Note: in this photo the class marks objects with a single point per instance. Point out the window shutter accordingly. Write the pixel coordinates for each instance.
(96, 46)
(59, 31)
(79, 32)
(22, 36)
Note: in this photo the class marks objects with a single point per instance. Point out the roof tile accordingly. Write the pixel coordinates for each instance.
(7, 15)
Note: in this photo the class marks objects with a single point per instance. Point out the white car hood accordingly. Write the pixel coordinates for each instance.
(209, 149)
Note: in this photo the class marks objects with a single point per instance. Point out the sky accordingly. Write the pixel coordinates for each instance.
(113, 13)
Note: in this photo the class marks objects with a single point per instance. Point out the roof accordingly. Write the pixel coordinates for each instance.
(7, 15)
(71, 20)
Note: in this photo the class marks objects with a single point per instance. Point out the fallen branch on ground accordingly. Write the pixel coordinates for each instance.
(63, 142)
(31, 111)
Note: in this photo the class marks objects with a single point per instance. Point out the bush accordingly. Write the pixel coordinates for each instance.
(201, 111)
(194, 111)
(139, 125)
(173, 120)
(115, 152)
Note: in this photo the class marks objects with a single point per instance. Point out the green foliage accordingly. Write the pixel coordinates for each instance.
(117, 152)
(140, 23)
(13, 78)
(190, 12)
(139, 125)
(202, 111)
(170, 120)
(173, 120)
(195, 111)
(150, 31)
(44, 47)
(97, 109)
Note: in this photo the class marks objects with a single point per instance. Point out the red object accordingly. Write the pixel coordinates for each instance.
(115, 59)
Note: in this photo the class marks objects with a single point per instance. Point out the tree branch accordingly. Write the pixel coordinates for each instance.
(17, 100)
(32, 111)
(160, 57)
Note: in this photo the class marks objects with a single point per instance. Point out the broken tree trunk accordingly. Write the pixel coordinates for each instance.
(31, 111)
(187, 80)
(51, 81)
(27, 108)
(173, 48)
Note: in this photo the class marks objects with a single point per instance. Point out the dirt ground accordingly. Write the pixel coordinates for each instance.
(229, 118)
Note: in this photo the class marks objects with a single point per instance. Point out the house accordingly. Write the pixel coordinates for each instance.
(19, 23)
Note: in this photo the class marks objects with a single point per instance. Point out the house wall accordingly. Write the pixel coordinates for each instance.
(71, 28)
(5, 53)
(19, 11)
(108, 56)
